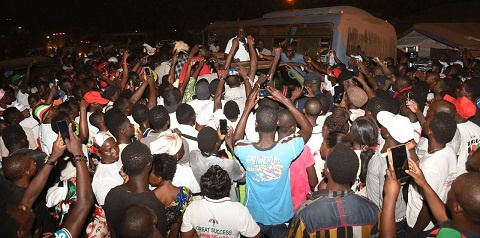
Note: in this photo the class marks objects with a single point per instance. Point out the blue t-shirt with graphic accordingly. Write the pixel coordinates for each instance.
(268, 195)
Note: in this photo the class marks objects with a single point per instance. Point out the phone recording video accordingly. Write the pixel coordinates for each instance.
(223, 127)
(339, 91)
(148, 71)
(63, 129)
(398, 157)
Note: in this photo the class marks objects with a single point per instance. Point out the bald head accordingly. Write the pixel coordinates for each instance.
(467, 194)
(402, 82)
(432, 78)
(313, 107)
(137, 221)
(441, 106)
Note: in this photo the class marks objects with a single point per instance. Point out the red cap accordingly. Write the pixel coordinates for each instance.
(101, 66)
(95, 96)
(465, 107)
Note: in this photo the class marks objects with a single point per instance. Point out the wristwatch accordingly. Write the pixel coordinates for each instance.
(49, 162)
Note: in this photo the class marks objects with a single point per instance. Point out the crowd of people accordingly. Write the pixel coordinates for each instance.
(174, 142)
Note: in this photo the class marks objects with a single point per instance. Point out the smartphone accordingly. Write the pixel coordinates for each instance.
(323, 58)
(355, 70)
(262, 91)
(223, 126)
(63, 129)
(339, 91)
(304, 91)
(147, 71)
(397, 155)
(409, 98)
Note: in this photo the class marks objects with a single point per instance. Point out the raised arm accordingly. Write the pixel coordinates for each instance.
(277, 52)
(124, 80)
(217, 99)
(434, 202)
(388, 74)
(53, 90)
(83, 135)
(392, 189)
(38, 183)
(252, 100)
(366, 87)
(26, 82)
(413, 106)
(78, 214)
(139, 92)
(228, 61)
(253, 64)
(152, 96)
(171, 73)
(305, 126)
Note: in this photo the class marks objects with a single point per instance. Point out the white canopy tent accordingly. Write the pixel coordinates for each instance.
(448, 36)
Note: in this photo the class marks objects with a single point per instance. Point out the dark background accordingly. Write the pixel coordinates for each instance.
(90, 18)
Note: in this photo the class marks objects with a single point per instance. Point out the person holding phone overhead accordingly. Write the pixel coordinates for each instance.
(396, 130)
(439, 162)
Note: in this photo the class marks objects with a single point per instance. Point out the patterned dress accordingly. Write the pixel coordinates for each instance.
(178, 206)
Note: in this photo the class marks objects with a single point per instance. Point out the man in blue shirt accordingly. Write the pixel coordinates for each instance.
(267, 163)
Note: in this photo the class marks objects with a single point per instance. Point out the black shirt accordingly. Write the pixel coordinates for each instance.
(119, 199)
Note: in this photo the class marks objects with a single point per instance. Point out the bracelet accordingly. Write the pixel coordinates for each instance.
(49, 162)
(257, 84)
(77, 158)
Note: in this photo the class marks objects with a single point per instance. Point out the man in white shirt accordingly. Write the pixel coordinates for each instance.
(437, 165)
(242, 53)
(186, 119)
(107, 173)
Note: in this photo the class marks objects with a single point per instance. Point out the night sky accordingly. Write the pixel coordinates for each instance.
(89, 17)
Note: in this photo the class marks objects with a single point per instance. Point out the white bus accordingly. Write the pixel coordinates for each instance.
(315, 31)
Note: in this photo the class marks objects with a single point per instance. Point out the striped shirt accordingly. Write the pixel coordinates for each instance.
(336, 214)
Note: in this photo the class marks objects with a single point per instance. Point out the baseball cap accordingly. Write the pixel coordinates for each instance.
(313, 76)
(41, 111)
(95, 97)
(345, 75)
(399, 127)
(465, 107)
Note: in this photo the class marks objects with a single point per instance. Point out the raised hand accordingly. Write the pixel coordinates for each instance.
(391, 186)
(416, 173)
(58, 148)
(250, 40)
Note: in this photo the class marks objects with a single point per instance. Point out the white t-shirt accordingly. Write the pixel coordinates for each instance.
(436, 168)
(47, 136)
(162, 70)
(173, 120)
(184, 177)
(236, 94)
(241, 53)
(197, 105)
(22, 98)
(316, 139)
(107, 176)
(219, 218)
(32, 142)
(206, 117)
(189, 130)
(470, 140)
(265, 51)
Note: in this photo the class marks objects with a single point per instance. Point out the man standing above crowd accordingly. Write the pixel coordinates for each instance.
(242, 52)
